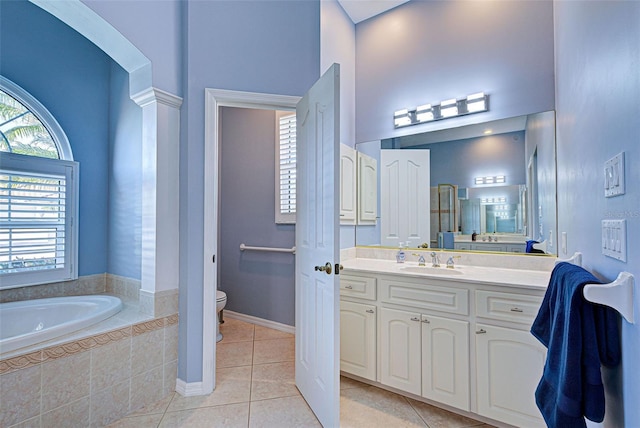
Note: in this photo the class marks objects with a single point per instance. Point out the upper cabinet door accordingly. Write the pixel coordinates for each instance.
(367, 189)
(347, 185)
(404, 197)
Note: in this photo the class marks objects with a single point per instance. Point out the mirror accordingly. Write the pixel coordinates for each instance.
(495, 178)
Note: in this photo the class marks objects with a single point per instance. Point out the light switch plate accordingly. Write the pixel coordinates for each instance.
(614, 239)
(614, 176)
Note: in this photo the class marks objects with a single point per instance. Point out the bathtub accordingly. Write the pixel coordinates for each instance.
(29, 322)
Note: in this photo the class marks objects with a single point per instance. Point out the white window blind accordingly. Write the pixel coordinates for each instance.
(286, 167)
(36, 219)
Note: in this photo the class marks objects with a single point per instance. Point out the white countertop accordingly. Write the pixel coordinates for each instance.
(520, 278)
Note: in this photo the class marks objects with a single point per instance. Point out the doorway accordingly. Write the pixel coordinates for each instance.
(214, 100)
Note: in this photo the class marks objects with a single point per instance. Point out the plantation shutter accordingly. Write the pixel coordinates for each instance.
(286, 169)
(36, 218)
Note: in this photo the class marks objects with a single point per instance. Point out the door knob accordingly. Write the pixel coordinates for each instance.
(326, 268)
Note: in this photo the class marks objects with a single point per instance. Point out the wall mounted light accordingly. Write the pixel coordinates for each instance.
(449, 108)
(424, 113)
(498, 179)
(491, 201)
(401, 118)
(474, 103)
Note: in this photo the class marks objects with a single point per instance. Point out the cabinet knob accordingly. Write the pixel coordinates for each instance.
(369, 311)
(516, 310)
(481, 331)
(350, 287)
(426, 321)
(415, 319)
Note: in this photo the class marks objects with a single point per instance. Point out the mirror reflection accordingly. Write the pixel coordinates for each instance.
(491, 187)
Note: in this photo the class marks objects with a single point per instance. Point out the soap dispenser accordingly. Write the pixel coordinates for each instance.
(400, 255)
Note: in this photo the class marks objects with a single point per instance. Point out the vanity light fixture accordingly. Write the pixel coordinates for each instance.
(449, 108)
(424, 113)
(497, 200)
(401, 118)
(474, 103)
(498, 179)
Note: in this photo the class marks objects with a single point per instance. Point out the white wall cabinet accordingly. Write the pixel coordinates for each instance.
(425, 344)
(347, 185)
(367, 189)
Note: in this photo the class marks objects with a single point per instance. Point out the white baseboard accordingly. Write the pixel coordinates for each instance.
(190, 389)
(259, 321)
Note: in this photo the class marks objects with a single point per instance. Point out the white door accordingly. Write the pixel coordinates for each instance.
(404, 197)
(317, 248)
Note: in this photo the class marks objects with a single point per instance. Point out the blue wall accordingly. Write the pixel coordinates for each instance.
(427, 51)
(597, 57)
(70, 77)
(460, 161)
(125, 179)
(257, 284)
(258, 46)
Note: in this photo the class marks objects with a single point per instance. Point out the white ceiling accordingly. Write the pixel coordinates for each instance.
(359, 10)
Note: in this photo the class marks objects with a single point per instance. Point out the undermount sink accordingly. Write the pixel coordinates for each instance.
(431, 270)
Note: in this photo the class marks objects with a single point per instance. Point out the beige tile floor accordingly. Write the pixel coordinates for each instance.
(256, 388)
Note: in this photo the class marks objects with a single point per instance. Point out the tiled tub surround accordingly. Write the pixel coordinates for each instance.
(91, 381)
(98, 374)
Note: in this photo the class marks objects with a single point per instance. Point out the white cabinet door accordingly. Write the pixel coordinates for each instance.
(445, 361)
(509, 367)
(367, 189)
(347, 185)
(358, 339)
(404, 197)
(400, 350)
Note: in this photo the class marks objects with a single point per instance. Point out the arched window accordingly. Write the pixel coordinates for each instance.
(38, 193)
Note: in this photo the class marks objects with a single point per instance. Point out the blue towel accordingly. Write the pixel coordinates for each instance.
(579, 336)
(529, 248)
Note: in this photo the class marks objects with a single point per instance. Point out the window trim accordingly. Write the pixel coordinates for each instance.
(280, 217)
(34, 164)
(59, 137)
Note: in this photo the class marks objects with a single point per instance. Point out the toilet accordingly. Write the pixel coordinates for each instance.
(221, 301)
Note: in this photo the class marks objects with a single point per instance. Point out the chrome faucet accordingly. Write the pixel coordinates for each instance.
(450, 263)
(421, 261)
(435, 260)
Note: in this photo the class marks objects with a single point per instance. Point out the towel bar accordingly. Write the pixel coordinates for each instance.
(272, 249)
(617, 294)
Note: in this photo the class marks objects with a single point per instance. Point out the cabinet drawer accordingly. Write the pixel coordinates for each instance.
(427, 296)
(363, 287)
(507, 306)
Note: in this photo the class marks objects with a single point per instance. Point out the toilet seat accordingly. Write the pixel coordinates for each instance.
(220, 296)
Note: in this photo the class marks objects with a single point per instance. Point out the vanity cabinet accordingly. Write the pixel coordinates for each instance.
(463, 344)
(358, 325)
(509, 360)
(425, 355)
(358, 339)
(493, 246)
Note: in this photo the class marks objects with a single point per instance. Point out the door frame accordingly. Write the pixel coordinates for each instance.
(214, 99)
